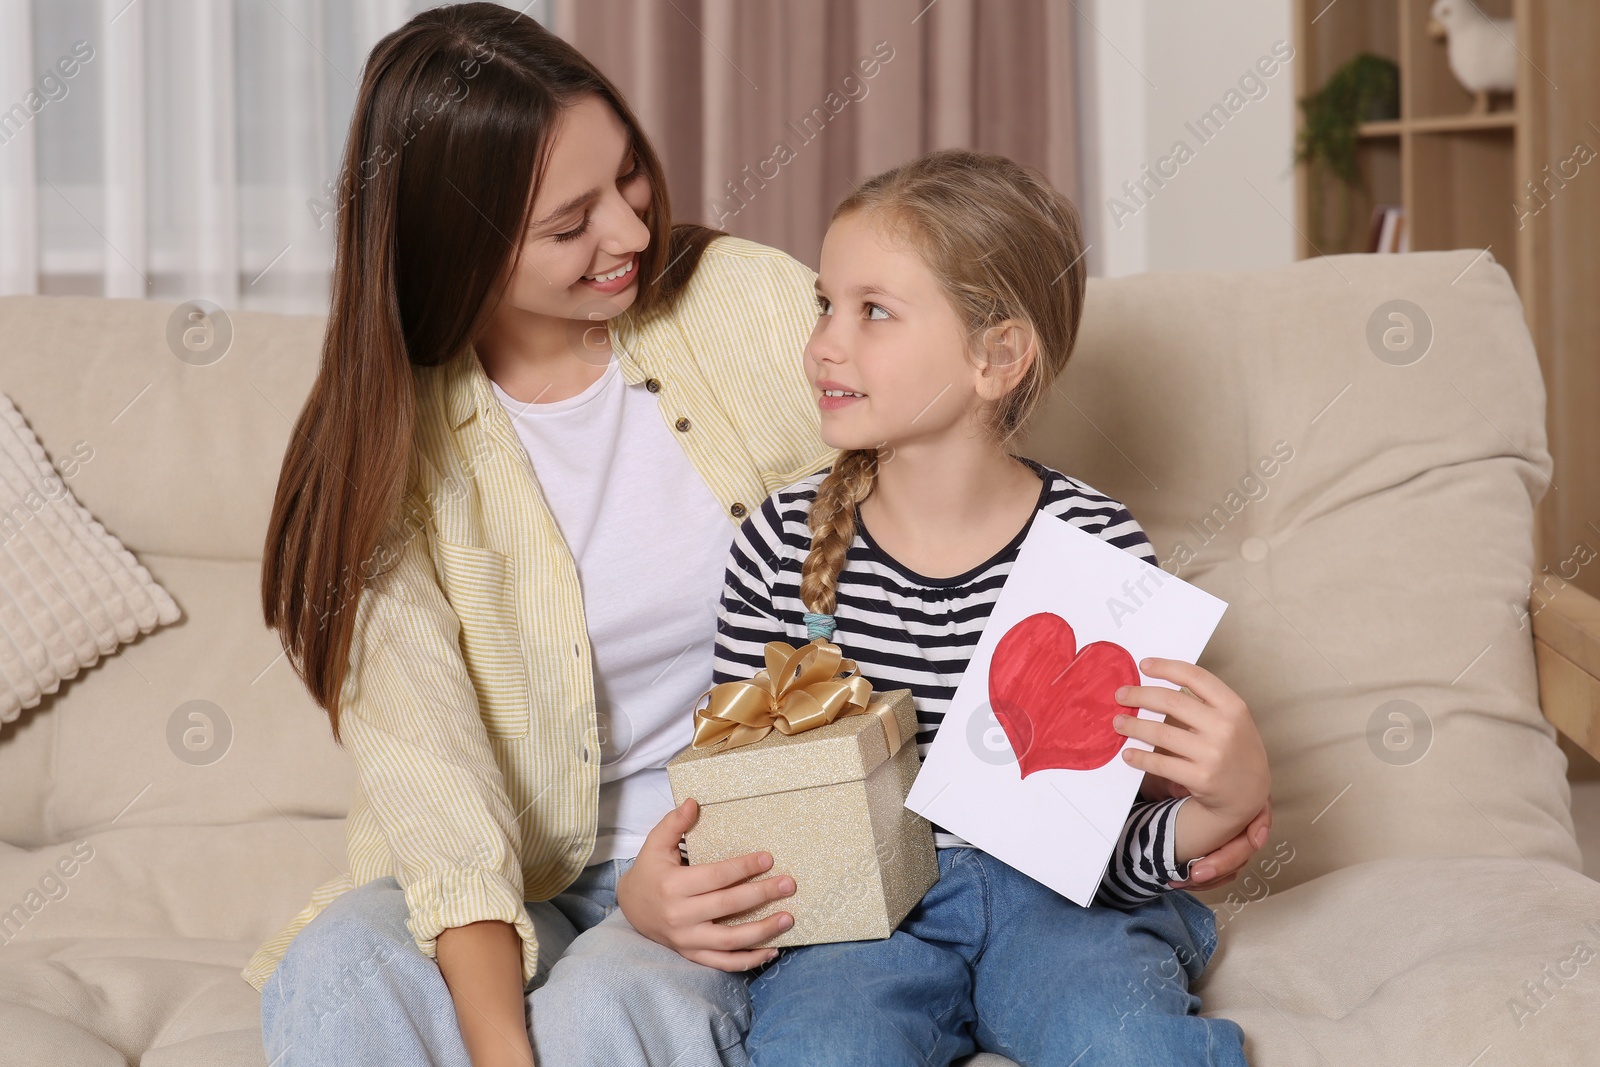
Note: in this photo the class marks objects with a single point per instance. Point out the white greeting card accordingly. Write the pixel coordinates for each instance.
(1026, 765)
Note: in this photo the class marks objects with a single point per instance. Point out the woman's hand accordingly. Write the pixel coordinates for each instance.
(678, 905)
(1209, 748)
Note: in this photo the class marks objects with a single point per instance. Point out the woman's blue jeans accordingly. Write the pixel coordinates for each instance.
(354, 989)
(991, 960)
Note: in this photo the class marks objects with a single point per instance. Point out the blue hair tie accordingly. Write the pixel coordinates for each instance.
(819, 626)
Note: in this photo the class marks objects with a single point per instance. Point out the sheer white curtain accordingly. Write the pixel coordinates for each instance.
(179, 149)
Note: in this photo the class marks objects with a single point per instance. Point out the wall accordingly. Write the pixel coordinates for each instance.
(1149, 71)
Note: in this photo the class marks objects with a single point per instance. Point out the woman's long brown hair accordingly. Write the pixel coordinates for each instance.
(1003, 243)
(450, 133)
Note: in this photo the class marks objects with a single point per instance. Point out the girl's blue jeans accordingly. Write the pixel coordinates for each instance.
(989, 959)
(992, 960)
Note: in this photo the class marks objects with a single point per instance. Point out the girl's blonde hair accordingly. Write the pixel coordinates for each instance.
(1003, 244)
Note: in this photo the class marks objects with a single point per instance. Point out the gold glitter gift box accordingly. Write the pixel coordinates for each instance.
(826, 800)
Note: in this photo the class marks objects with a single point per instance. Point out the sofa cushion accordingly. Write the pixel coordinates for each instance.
(1438, 960)
(125, 945)
(92, 1002)
(203, 722)
(210, 882)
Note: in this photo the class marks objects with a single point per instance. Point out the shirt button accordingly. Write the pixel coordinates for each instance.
(682, 425)
(652, 385)
(737, 509)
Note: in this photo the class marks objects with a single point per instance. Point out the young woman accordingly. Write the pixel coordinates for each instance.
(502, 519)
(950, 293)
(502, 522)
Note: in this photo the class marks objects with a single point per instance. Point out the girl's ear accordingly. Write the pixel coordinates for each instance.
(1008, 350)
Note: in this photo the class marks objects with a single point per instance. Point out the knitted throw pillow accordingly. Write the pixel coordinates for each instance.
(69, 592)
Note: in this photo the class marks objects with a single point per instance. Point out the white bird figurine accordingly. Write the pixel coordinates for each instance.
(1482, 50)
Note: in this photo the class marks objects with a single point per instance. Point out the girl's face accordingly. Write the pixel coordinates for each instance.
(886, 330)
(586, 220)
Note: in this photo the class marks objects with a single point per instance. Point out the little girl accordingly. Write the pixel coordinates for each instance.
(949, 298)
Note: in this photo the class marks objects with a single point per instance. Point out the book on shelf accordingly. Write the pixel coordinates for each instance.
(1388, 231)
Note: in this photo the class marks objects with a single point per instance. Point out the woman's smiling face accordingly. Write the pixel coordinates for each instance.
(587, 219)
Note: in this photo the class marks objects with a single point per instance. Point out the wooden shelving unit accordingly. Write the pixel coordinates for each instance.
(1465, 163)
(1506, 181)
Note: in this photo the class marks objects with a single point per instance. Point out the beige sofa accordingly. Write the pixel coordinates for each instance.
(1367, 520)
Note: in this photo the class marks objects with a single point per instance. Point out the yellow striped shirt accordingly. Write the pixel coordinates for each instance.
(469, 706)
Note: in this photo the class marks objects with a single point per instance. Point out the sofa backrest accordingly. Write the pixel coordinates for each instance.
(1365, 512)
(185, 455)
(1349, 452)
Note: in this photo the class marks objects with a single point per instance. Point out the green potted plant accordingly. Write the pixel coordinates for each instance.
(1366, 89)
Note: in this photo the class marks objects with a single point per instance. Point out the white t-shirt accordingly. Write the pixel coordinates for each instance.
(651, 542)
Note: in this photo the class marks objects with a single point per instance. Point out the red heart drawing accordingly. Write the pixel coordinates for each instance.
(1055, 702)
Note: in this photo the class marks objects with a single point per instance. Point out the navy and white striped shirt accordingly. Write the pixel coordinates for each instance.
(909, 631)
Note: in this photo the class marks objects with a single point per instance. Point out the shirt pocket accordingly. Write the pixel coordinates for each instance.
(478, 583)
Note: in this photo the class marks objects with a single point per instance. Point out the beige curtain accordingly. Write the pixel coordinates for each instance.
(766, 112)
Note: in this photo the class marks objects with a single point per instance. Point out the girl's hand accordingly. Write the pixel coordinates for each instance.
(678, 905)
(1208, 744)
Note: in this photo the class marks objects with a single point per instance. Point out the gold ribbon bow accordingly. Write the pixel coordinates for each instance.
(798, 690)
